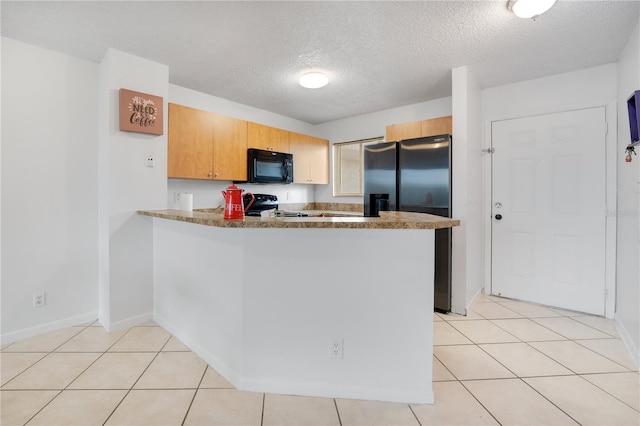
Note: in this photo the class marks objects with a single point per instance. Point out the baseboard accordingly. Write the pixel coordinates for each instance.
(14, 336)
(464, 310)
(214, 362)
(634, 350)
(475, 297)
(325, 390)
(307, 389)
(127, 322)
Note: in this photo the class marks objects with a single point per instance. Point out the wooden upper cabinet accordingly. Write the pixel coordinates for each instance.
(437, 126)
(279, 140)
(318, 152)
(417, 129)
(229, 148)
(190, 143)
(204, 145)
(398, 132)
(267, 138)
(257, 136)
(310, 159)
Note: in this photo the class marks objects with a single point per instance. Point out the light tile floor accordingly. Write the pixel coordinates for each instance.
(507, 362)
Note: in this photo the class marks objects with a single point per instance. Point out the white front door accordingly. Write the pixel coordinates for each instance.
(548, 202)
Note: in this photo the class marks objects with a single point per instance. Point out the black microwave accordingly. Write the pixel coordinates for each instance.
(269, 166)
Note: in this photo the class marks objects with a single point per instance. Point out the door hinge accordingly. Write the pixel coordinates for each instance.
(489, 150)
(606, 293)
(606, 127)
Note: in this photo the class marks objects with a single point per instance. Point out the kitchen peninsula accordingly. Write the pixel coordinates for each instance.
(321, 306)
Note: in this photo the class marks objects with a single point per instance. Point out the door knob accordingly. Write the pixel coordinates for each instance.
(498, 216)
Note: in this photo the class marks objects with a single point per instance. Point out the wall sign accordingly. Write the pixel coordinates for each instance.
(140, 112)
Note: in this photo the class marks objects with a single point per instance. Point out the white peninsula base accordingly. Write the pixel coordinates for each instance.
(262, 305)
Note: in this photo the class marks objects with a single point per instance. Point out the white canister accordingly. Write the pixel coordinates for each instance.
(186, 201)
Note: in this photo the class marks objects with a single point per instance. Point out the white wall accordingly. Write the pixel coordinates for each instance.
(49, 189)
(467, 186)
(628, 275)
(207, 194)
(370, 126)
(588, 87)
(127, 185)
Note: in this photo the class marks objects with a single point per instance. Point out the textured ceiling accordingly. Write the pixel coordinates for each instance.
(378, 55)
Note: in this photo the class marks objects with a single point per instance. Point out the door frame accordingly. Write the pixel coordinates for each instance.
(611, 200)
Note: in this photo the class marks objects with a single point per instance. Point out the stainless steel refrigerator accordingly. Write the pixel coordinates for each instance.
(414, 175)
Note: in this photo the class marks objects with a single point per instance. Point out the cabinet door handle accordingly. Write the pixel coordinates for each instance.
(210, 174)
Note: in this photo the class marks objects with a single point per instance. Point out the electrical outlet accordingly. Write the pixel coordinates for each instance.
(176, 197)
(335, 348)
(289, 196)
(39, 300)
(150, 159)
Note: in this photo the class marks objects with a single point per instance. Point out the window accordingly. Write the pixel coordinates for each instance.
(348, 167)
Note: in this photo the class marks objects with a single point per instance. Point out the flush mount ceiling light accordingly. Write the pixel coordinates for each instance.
(529, 8)
(314, 80)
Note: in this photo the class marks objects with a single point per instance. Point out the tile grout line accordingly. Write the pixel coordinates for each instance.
(534, 322)
(598, 353)
(496, 360)
(458, 331)
(459, 381)
(186, 414)
(595, 328)
(607, 392)
(43, 407)
(59, 390)
(521, 378)
(528, 343)
(53, 351)
(508, 369)
(414, 413)
(482, 349)
(25, 370)
(335, 403)
(488, 343)
(551, 402)
(570, 315)
(536, 349)
(447, 368)
(480, 402)
(566, 338)
(566, 317)
(135, 382)
(516, 376)
(570, 369)
(66, 341)
(91, 364)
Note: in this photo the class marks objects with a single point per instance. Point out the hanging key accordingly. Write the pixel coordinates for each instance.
(630, 150)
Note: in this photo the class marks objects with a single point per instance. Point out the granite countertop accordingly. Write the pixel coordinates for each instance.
(387, 220)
